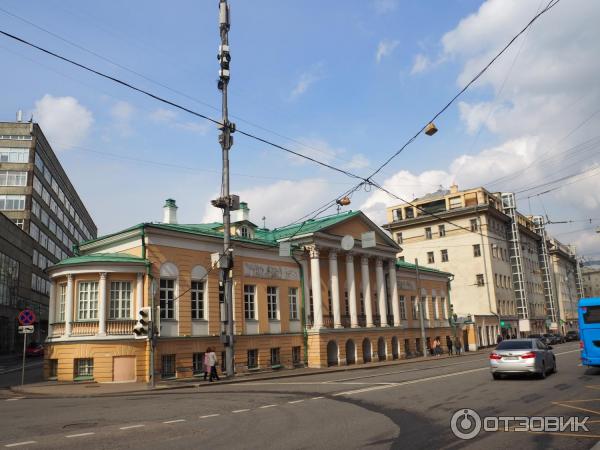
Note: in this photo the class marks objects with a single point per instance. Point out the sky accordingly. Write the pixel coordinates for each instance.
(346, 82)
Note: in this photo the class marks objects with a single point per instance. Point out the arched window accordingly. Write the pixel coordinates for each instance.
(244, 232)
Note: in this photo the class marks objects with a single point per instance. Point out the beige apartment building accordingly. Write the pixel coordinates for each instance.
(591, 281)
(500, 278)
(568, 290)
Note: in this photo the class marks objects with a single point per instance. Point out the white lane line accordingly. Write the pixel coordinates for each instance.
(174, 421)
(16, 444)
(209, 415)
(317, 398)
(132, 426)
(14, 399)
(267, 406)
(295, 401)
(240, 411)
(79, 435)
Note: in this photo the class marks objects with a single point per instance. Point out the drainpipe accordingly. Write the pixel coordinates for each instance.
(303, 308)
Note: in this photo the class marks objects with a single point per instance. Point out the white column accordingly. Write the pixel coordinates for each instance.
(306, 288)
(334, 280)
(315, 276)
(51, 307)
(69, 306)
(351, 286)
(139, 294)
(366, 288)
(102, 305)
(393, 285)
(381, 292)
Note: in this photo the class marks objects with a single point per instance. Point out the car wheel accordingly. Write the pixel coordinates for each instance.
(555, 367)
(542, 374)
(496, 376)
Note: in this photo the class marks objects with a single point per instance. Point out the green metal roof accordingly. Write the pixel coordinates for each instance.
(101, 258)
(407, 265)
(310, 226)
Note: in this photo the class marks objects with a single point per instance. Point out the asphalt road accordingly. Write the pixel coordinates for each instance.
(403, 406)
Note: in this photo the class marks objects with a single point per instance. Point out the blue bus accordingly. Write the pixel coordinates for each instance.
(589, 331)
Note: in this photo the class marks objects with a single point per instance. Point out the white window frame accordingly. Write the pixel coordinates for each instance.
(250, 302)
(402, 308)
(120, 300)
(293, 302)
(273, 302)
(87, 300)
(62, 302)
(198, 291)
(167, 305)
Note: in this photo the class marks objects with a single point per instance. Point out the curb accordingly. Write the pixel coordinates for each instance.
(190, 383)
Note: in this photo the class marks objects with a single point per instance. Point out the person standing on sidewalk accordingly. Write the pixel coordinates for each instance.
(206, 363)
(449, 345)
(212, 361)
(458, 346)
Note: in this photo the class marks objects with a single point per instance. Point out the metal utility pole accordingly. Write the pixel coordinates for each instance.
(225, 201)
(421, 312)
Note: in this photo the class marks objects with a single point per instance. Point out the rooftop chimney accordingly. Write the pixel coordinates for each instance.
(19, 116)
(241, 214)
(170, 211)
(454, 188)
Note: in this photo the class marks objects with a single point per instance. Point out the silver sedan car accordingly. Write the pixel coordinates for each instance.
(522, 356)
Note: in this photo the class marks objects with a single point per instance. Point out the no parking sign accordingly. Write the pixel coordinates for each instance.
(26, 317)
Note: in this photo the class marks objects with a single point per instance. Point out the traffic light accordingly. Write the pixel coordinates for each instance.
(141, 327)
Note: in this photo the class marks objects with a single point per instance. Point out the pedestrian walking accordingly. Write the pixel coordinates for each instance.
(206, 363)
(458, 346)
(212, 361)
(434, 348)
(449, 345)
(438, 346)
(499, 339)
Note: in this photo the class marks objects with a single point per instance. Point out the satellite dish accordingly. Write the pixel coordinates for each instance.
(347, 242)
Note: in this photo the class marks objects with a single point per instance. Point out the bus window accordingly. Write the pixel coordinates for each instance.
(591, 314)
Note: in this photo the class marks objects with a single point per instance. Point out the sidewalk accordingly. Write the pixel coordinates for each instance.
(53, 389)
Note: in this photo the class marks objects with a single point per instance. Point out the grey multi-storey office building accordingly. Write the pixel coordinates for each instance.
(37, 196)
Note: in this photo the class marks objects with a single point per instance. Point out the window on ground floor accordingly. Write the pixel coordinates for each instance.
(197, 363)
(253, 358)
(275, 357)
(407, 346)
(84, 368)
(168, 366)
(296, 358)
(52, 369)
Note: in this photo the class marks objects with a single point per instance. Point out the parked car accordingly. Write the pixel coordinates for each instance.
(522, 356)
(560, 339)
(550, 339)
(542, 338)
(34, 349)
(572, 335)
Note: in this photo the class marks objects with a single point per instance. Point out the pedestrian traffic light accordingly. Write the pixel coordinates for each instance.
(141, 327)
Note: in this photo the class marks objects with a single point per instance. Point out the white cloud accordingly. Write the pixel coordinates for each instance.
(122, 113)
(358, 161)
(171, 118)
(385, 48)
(65, 122)
(384, 6)
(323, 151)
(306, 80)
(421, 64)
(279, 202)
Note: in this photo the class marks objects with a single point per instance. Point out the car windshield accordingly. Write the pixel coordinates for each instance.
(514, 345)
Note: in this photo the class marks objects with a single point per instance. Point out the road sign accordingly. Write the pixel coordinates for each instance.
(26, 329)
(26, 317)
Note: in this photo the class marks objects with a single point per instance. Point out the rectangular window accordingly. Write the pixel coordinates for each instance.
(14, 155)
(454, 202)
(296, 351)
(84, 367)
(424, 306)
(120, 300)
(275, 357)
(442, 230)
(19, 222)
(428, 233)
(167, 299)
(474, 226)
(443, 305)
(430, 258)
(87, 307)
(253, 358)
(293, 301)
(434, 306)
(476, 250)
(197, 300)
(409, 213)
(13, 178)
(168, 366)
(12, 202)
(399, 238)
(249, 301)
(272, 303)
(62, 301)
(413, 304)
(444, 255)
(479, 279)
(402, 308)
(52, 369)
(396, 215)
(198, 363)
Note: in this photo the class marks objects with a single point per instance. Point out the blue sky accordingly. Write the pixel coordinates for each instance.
(350, 80)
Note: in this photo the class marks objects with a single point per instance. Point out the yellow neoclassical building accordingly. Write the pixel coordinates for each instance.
(322, 305)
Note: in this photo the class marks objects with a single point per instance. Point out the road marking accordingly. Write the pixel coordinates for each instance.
(317, 398)
(16, 444)
(295, 401)
(580, 401)
(267, 406)
(209, 415)
(577, 407)
(14, 399)
(240, 411)
(79, 435)
(174, 421)
(132, 426)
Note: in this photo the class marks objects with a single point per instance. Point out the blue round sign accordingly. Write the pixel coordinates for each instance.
(26, 317)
